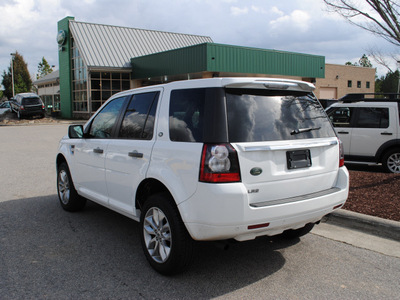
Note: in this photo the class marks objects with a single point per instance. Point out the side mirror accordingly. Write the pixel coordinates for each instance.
(75, 131)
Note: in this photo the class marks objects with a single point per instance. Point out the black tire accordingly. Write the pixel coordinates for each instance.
(67, 194)
(391, 161)
(166, 243)
(296, 233)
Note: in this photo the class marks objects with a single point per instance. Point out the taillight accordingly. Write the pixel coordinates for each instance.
(219, 163)
(21, 107)
(341, 154)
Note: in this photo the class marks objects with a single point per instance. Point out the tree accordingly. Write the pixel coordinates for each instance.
(387, 83)
(43, 69)
(22, 78)
(377, 16)
(365, 62)
(362, 62)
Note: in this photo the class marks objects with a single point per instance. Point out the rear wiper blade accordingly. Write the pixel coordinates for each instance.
(301, 130)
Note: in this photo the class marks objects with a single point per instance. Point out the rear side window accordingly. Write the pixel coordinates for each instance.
(186, 115)
(138, 122)
(256, 115)
(371, 117)
(31, 101)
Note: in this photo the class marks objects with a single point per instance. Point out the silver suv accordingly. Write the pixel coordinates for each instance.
(369, 128)
(207, 159)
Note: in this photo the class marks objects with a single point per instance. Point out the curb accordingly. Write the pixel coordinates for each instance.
(368, 224)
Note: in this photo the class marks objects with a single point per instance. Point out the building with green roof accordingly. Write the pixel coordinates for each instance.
(97, 61)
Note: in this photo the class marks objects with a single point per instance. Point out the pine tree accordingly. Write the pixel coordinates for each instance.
(43, 69)
(22, 78)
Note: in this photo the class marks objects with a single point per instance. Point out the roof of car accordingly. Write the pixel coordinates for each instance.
(24, 95)
(231, 82)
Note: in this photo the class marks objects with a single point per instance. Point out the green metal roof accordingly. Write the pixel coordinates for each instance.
(210, 57)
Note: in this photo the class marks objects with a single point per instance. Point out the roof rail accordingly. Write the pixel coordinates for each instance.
(371, 97)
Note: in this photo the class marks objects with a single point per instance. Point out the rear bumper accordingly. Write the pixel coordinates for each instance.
(222, 211)
(35, 112)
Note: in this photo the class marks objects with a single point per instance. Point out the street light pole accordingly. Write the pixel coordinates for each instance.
(12, 73)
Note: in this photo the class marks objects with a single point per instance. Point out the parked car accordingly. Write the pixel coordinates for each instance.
(206, 159)
(27, 105)
(5, 108)
(369, 128)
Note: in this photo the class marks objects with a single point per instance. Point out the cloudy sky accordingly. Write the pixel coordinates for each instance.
(305, 26)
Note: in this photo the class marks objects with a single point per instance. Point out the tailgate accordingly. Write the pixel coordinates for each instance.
(284, 169)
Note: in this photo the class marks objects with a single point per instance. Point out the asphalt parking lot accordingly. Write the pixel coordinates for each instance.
(47, 253)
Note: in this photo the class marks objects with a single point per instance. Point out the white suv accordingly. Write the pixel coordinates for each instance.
(206, 159)
(369, 129)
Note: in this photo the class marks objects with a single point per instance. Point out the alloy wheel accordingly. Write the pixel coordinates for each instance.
(393, 163)
(157, 235)
(63, 187)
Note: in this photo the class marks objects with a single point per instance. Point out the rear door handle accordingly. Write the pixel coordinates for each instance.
(343, 132)
(386, 133)
(135, 154)
(98, 150)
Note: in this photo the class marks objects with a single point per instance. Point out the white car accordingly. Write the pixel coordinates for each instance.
(5, 108)
(369, 130)
(207, 159)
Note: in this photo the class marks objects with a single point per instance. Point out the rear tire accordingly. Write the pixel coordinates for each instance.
(296, 233)
(166, 243)
(68, 196)
(391, 161)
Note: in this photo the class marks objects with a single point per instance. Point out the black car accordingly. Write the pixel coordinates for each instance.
(27, 104)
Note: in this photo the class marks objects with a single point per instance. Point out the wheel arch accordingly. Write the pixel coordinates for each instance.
(60, 159)
(388, 146)
(148, 187)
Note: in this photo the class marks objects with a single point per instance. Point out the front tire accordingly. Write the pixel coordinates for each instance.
(165, 241)
(68, 196)
(391, 161)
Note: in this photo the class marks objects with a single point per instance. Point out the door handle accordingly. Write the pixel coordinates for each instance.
(386, 133)
(135, 154)
(343, 132)
(98, 150)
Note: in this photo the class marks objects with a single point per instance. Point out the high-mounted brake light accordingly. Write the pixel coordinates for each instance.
(219, 163)
(341, 154)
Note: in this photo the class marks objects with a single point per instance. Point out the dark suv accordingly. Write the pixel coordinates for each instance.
(27, 104)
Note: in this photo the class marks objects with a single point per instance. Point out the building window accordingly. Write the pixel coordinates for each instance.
(368, 85)
(105, 84)
(79, 80)
(359, 84)
(349, 83)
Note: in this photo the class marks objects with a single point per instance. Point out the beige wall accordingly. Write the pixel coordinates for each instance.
(337, 77)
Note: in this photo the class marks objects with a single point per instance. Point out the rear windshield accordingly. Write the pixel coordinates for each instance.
(263, 115)
(31, 101)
